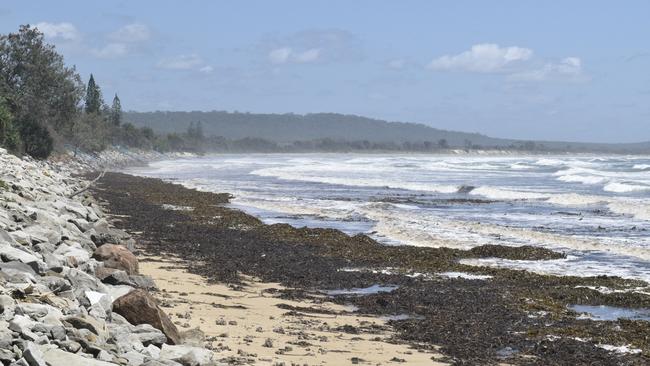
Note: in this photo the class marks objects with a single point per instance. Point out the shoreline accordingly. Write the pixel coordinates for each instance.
(470, 320)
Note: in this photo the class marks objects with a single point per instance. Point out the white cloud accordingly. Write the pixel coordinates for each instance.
(486, 58)
(182, 62)
(285, 55)
(280, 55)
(135, 32)
(65, 31)
(111, 50)
(206, 69)
(569, 68)
(310, 55)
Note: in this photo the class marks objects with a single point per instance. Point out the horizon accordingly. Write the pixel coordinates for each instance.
(512, 70)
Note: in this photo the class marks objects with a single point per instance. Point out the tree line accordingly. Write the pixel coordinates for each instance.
(45, 106)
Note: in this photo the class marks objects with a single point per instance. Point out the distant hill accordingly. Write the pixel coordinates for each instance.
(287, 128)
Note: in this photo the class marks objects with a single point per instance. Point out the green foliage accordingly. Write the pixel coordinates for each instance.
(116, 111)
(41, 93)
(90, 133)
(36, 138)
(9, 135)
(94, 100)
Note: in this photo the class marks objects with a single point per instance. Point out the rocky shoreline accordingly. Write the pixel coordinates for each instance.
(70, 289)
(77, 286)
(472, 315)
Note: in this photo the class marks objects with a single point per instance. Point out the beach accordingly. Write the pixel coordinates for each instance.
(432, 302)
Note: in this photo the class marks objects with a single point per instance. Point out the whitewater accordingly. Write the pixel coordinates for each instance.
(596, 209)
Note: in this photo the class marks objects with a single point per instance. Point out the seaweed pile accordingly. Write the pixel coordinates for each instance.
(509, 316)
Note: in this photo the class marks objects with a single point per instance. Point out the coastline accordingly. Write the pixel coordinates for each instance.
(508, 316)
(372, 303)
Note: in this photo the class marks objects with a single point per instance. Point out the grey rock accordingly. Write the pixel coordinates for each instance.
(23, 325)
(58, 333)
(57, 357)
(149, 335)
(7, 306)
(33, 355)
(187, 355)
(6, 356)
(9, 253)
(144, 282)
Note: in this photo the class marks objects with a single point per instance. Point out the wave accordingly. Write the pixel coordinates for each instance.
(584, 179)
(507, 194)
(641, 166)
(625, 187)
(285, 174)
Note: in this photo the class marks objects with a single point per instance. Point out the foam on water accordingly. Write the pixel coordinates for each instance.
(595, 208)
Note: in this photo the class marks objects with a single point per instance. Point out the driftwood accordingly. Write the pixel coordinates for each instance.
(89, 184)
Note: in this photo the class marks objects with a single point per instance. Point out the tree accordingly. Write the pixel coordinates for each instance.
(116, 111)
(94, 100)
(443, 144)
(9, 135)
(41, 93)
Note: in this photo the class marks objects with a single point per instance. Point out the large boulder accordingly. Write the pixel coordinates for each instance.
(118, 257)
(139, 307)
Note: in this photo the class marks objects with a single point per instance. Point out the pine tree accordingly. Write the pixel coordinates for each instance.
(94, 99)
(116, 111)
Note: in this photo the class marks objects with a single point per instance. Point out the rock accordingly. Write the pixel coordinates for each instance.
(148, 335)
(85, 322)
(33, 355)
(81, 283)
(9, 253)
(187, 355)
(45, 314)
(144, 282)
(58, 333)
(6, 356)
(139, 307)
(117, 256)
(7, 306)
(57, 357)
(193, 337)
(23, 324)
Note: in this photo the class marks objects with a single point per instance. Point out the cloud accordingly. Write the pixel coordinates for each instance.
(63, 31)
(181, 62)
(280, 55)
(285, 55)
(483, 58)
(569, 68)
(111, 50)
(135, 32)
(207, 69)
(311, 46)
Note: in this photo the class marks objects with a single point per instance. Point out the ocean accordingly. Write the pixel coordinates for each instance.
(596, 209)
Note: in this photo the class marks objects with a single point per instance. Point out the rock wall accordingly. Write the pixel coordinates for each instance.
(70, 291)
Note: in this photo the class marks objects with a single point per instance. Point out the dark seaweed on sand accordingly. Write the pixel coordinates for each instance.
(516, 317)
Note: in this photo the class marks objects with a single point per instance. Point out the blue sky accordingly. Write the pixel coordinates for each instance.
(568, 70)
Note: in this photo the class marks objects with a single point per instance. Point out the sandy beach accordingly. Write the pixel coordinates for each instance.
(249, 324)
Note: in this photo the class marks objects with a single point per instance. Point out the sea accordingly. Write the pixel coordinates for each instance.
(594, 208)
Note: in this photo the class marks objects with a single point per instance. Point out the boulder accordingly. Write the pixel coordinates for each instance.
(118, 257)
(9, 253)
(57, 357)
(186, 355)
(139, 307)
(33, 355)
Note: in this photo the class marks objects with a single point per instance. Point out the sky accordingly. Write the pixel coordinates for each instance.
(557, 70)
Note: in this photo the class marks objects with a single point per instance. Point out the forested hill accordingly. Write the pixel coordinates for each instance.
(295, 127)
(289, 128)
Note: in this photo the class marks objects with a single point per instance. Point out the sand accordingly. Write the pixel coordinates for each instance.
(247, 325)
